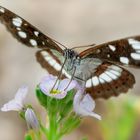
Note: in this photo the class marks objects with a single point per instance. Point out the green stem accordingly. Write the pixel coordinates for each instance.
(44, 131)
(53, 127)
(37, 136)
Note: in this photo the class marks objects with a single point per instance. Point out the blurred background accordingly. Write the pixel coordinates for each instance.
(73, 23)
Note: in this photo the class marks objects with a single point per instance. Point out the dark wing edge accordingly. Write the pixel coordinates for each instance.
(123, 52)
(24, 32)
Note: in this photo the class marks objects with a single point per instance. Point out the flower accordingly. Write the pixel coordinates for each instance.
(84, 105)
(17, 104)
(31, 119)
(51, 86)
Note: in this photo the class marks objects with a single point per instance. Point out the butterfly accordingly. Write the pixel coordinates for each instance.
(99, 68)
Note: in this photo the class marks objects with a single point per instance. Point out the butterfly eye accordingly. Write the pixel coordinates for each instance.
(69, 54)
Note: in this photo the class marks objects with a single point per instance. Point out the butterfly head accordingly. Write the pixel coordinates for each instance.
(70, 54)
(72, 59)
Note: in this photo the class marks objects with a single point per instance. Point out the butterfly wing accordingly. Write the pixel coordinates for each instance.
(24, 32)
(123, 52)
(109, 80)
(99, 85)
(52, 61)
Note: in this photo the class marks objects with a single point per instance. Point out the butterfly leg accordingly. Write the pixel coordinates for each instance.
(80, 81)
(59, 75)
(72, 77)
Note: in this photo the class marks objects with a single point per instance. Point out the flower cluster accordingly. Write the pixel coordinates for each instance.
(65, 102)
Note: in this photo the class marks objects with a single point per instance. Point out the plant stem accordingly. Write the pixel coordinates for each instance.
(53, 127)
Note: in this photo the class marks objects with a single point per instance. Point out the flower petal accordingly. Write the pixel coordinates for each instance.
(31, 119)
(17, 103)
(49, 77)
(12, 106)
(60, 95)
(95, 115)
(67, 85)
(61, 87)
(84, 105)
(87, 103)
(21, 94)
(47, 84)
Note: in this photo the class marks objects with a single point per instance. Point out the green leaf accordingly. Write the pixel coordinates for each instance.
(85, 138)
(66, 104)
(42, 98)
(28, 137)
(70, 124)
(22, 114)
(66, 109)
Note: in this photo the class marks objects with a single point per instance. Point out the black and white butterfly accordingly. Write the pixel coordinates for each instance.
(99, 67)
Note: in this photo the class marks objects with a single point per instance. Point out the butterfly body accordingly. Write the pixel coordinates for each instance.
(100, 68)
(82, 69)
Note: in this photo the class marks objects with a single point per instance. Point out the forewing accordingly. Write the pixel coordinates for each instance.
(52, 61)
(109, 80)
(123, 52)
(24, 32)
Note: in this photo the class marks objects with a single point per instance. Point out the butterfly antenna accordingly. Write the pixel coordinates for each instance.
(85, 46)
(59, 44)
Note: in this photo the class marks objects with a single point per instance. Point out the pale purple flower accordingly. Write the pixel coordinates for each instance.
(16, 104)
(31, 119)
(60, 89)
(84, 105)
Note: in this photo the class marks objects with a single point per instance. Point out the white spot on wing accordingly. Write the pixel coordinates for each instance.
(98, 51)
(33, 42)
(57, 66)
(135, 56)
(95, 81)
(124, 60)
(105, 77)
(134, 43)
(137, 51)
(115, 68)
(66, 74)
(113, 48)
(43, 42)
(36, 33)
(2, 10)
(51, 61)
(89, 83)
(108, 55)
(101, 81)
(18, 28)
(115, 72)
(22, 34)
(47, 58)
(25, 24)
(17, 21)
(44, 53)
(111, 75)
